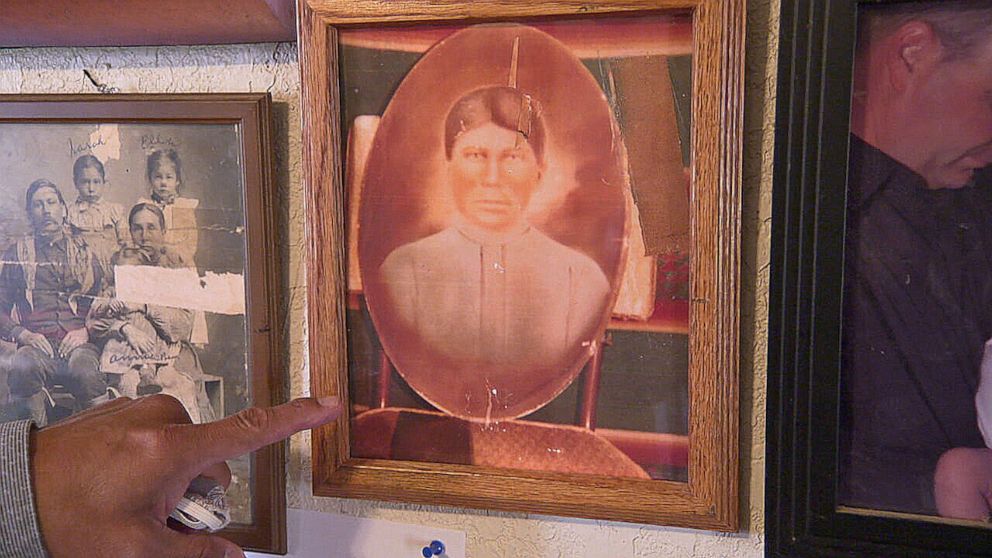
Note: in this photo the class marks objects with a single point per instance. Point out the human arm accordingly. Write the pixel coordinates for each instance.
(123, 511)
(106, 317)
(12, 288)
(87, 304)
(99, 288)
(107, 320)
(20, 536)
(398, 275)
(72, 340)
(119, 218)
(172, 324)
(588, 292)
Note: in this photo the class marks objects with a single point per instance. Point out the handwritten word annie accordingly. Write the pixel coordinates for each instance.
(159, 357)
(75, 149)
(151, 141)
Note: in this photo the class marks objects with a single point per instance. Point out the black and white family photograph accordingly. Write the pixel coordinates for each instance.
(122, 269)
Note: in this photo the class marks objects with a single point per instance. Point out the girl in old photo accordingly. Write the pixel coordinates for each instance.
(101, 223)
(165, 180)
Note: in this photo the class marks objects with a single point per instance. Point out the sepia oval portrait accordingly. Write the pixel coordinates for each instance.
(492, 224)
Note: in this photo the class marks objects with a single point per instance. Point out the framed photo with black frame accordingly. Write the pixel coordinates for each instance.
(879, 368)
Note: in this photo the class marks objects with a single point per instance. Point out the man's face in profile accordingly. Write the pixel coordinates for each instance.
(46, 211)
(492, 172)
(949, 113)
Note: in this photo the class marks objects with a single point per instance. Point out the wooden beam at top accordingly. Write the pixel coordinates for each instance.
(34, 23)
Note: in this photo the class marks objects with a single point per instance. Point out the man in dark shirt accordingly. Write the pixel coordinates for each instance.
(918, 258)
(918, 299)
(48, 282)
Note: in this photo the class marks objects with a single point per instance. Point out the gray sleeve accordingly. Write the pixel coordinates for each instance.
(20, 536)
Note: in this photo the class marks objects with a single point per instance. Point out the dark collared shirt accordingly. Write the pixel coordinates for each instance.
(917, 311)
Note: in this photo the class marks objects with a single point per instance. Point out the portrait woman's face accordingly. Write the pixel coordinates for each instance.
(492, 172)
(147, 230)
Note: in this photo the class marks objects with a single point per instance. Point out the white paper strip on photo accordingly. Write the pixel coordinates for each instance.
(220, 293)
(359, 144)
(106, 142)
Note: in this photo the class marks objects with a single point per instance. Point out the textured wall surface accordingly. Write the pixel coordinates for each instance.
(274, 68)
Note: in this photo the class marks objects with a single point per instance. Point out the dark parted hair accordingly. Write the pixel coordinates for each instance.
(156, 157)
(151, 208)
(38, 185)
(506, 107)
(84, 162)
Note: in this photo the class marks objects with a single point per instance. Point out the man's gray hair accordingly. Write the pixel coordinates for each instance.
(961, 25)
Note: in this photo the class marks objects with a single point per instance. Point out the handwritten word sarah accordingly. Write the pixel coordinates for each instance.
(88, 146)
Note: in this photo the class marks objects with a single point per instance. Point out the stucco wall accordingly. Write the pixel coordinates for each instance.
(273, 68)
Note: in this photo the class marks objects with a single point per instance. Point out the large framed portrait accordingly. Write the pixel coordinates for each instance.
(524, 280)
(138, 258)
(880, 367)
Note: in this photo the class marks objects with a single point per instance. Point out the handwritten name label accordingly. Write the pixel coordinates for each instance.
(131, 359)
(75, 149)
(152, 141)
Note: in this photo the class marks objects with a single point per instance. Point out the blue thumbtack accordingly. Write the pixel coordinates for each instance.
(435, 549)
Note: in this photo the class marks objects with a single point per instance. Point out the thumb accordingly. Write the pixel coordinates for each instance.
(179, 545)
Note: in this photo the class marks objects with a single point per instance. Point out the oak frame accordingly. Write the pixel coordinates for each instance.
(710, 499)
(252, 114)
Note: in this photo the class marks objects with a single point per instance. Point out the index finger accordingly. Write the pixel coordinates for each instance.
(47, 347)
(67, 345)
(203, 445)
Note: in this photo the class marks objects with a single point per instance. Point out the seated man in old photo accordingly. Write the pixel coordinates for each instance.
(492, 288)
(47, 284)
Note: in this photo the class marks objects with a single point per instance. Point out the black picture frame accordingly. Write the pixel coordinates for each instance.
(816, 52)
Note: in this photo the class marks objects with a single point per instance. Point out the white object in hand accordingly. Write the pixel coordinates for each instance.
(203, 507)
(983, 399)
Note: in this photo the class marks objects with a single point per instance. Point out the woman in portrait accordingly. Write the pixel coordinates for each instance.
(147, 346)
(492, 222)
(492, 289)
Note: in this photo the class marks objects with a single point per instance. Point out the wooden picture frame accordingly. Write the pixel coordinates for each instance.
(817, 285)
(224, 143)
(709, 499)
